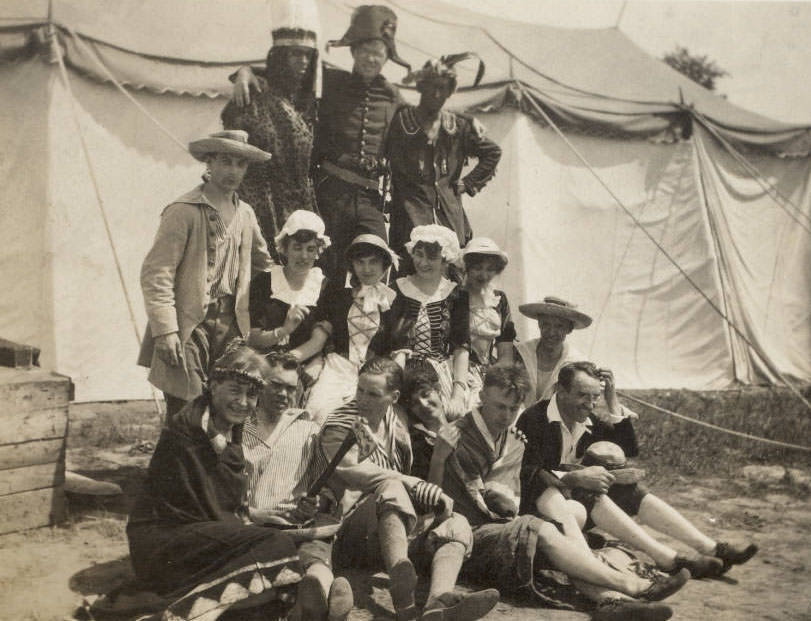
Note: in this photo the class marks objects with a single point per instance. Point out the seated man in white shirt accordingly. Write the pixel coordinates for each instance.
(559, 431)
(283, 460)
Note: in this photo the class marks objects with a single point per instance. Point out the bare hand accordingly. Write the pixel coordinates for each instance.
(169, 349)
(478, 127)
(457, 406)
(295, 315)
(445, 508)
(609, 390)
(446, 440)
(305, 510)
(594, 478)
(245, 79)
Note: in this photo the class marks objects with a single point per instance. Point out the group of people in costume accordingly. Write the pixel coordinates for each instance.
(345, 393)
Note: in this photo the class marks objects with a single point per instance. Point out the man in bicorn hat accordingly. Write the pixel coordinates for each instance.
(427, 149)
(195, 277)
(354, 116)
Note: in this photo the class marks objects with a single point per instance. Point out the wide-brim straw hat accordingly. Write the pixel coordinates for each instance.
(555, 307)
(231, 142)
(370, 239)
(486, 246)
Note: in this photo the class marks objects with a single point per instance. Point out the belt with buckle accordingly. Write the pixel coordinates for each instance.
(350, 177)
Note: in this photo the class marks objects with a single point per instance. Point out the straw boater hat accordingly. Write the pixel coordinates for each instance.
(370, 239)
(555, 307)
(372, 21)
(232, 142)
(486, 246)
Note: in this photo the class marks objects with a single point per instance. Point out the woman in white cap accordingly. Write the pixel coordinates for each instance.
(351, 317)
(282, 300)
(195, 277)
(429, 316)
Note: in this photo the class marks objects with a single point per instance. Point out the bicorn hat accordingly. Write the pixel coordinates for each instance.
(372, 21)
(555, 307)
(232, 142)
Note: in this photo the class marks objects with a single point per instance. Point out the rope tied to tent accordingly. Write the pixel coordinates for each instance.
(64, 75)
(661, 249)
(696, 421)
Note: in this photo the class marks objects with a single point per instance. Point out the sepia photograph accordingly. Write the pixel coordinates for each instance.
(318, 310)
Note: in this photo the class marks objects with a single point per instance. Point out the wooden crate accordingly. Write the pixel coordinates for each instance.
(33, 427)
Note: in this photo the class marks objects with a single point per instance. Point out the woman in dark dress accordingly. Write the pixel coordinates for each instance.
(282, 300)
(351, 317)
(190, 540)
(279, 119)
(429, 316)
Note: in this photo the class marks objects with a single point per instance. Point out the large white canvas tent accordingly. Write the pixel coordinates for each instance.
(679, 221)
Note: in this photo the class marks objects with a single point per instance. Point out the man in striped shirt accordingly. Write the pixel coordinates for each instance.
(391, 518)
(282, 462)
(195, 277)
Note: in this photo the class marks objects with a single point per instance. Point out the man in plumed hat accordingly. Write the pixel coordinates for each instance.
(354, 116)
(195, 277)
(427, 149)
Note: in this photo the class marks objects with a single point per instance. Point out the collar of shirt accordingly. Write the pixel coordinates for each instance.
(495, 444)
(570, 437)
(218, 439)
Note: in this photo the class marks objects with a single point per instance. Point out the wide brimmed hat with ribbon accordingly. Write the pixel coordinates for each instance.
(436, 234)
(370, 239)
(230, 141)
(485, 246)
(303, 220)
(372, 21)
(555, 307)
(442, 68)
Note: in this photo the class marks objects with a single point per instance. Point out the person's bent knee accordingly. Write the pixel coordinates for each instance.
(454, 529)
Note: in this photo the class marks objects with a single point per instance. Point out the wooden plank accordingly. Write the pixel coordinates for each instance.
(23, 426)
(41, 507)
(22, 390)
(31, 453)
(31, 477)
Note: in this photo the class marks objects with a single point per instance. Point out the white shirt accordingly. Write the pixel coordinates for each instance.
(571, 437)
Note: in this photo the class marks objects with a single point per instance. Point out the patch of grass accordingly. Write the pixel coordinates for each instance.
(108, 425)
(670, 446)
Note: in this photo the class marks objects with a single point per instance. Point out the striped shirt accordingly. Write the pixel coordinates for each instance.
(223, 253)
(283, 466)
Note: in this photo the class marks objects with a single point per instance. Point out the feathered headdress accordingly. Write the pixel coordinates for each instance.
(443, 68)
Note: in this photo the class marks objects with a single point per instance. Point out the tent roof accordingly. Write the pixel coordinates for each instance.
(596, 76)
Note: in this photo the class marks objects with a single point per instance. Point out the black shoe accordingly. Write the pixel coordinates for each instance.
(660, 589)
(631, 610)
(402, 582)
(702, 566)
(731, 555)
(311, 598)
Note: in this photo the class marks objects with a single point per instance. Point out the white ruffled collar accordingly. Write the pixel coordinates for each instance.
(376, 297)
(306, 296)
(411, 290)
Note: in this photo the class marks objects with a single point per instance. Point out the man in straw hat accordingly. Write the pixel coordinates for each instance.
(543, 357)
(428, 147)
(354, 115)
(195, 277)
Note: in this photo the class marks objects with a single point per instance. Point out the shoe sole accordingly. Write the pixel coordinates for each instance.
(312, 598)
(402, 582)
(471, 607)
(341, 600)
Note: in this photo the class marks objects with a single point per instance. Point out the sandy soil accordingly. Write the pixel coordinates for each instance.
(46, 573)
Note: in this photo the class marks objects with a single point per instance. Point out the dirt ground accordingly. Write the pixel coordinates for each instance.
(46, 573)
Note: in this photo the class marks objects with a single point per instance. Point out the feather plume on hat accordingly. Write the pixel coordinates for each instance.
(443, 68)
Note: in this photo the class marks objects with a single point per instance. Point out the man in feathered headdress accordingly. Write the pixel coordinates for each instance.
(427, 148)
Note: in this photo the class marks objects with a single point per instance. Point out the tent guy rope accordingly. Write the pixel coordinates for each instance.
(57, 50)
(666, 254)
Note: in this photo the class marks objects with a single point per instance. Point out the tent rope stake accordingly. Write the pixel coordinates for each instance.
(666, 254)
(64, 74)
